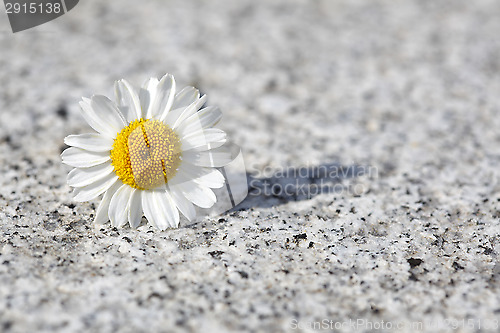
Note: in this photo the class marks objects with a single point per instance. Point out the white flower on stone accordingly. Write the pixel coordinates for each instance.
(155, 153)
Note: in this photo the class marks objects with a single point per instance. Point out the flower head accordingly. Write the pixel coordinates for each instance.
(155, 152)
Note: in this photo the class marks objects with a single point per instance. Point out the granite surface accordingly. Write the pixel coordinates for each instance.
(401, 99)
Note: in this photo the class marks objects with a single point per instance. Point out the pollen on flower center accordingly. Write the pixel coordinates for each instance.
(146, 154)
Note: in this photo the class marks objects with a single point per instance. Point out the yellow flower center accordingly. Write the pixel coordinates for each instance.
(146, 154)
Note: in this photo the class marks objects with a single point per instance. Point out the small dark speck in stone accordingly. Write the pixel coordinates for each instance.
(457, 266)
(243, 274)
(6, 326)
(155, 295)
(62, 112)
(127, 239)
(216, 254)
(300, 236)
(414, 262)
(487, 250)
(180, 322)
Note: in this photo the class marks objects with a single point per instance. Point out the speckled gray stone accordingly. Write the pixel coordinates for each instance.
(408, 88)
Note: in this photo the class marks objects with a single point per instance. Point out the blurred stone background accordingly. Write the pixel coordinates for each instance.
(410, 88)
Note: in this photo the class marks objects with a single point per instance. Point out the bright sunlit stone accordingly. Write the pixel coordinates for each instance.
(146, 154)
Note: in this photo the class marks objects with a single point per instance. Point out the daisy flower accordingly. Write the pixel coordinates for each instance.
(155, 153)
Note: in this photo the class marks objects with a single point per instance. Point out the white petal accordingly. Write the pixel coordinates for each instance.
(79, 158)
(205, 118)
(192, 172)
(182, 100)
(198, 194)
(184, 205)
(202, 139)
(190, 110)
(160, 209)
(214, 158)
(92, 142)
(164, 98)
(108, 113)
(94, 120)
(173, 212)
(95, 189)
(205, 176)
(83, 177)
(215, 179)
(101, 215)
(172, 116)
(185, 97)
(207, 146)
(147, 96)
(128, 100)
(135, 209)
(119, 206)
(149, 208)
